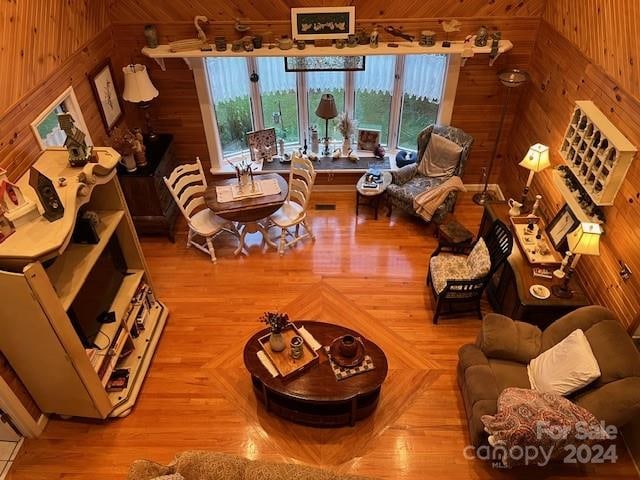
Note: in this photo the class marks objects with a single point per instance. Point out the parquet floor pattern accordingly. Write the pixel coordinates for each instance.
(364, 274)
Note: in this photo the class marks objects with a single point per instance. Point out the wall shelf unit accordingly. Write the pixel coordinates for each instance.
(46, 274)
(162, 52)
(597, 153)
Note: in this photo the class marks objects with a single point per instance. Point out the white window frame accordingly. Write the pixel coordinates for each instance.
(71, 104)
(445, 109)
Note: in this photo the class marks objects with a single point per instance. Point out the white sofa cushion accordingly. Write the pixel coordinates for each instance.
(566, 367)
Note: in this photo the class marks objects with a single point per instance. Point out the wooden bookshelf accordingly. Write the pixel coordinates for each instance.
(44, 272)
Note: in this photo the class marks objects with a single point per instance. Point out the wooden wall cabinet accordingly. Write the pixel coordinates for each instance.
(152, 208)
(42, 274)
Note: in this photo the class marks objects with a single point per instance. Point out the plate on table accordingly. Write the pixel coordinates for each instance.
(540, 291)
(341, 360)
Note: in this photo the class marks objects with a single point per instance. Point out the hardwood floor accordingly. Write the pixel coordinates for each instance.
(363, 273)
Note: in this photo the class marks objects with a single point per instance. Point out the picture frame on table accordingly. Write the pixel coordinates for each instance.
(562, 224)
(262, 144)
(368, 139)
(318, 23)
(105, 92)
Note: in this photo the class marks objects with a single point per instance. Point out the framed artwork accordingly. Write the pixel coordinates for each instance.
(368, 139)
(316, 23)
(562, 224)
(324, 64)
(105, 91)
(262, 144)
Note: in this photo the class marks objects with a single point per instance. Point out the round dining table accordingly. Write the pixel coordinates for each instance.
(247, 212)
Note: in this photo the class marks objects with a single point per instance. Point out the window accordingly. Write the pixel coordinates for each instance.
(373, 93)
(46, 128)
(319, 83)
(279, 95)
(229, 82)
(397, 95)
(421, 91)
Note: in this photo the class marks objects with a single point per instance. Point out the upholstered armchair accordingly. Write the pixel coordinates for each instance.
(408, 182)
(504, 347)
(458, 275)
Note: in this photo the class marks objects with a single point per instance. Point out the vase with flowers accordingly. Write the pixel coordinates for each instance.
(347, 127)
(277, 322)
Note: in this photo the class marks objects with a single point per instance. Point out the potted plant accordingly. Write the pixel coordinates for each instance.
(346, 127)
(276, 322)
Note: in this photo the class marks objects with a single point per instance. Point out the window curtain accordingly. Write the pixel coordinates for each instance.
(423, 77)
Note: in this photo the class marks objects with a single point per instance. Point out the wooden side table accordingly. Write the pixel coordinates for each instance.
(373, 195)
(152, 208)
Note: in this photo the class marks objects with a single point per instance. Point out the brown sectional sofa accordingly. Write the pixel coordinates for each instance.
(197, 465)
(504, 347)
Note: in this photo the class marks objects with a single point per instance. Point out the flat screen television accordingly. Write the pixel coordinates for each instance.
(91, 306)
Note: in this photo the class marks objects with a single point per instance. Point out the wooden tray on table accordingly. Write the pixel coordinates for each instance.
(287, 366)
(528, 242)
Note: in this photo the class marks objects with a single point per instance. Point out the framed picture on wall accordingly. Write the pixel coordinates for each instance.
(317, 23)
(562, 224)
(106, 93)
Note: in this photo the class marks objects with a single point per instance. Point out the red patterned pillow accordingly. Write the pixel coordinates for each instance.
(533, 428)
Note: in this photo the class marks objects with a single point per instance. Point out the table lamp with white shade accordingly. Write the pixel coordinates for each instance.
(139, 89)
(584, 240)
(536, 160)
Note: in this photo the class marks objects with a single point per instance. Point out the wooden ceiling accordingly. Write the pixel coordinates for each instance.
(125, 11)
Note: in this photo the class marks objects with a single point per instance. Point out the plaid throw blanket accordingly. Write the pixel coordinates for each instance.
(428, 201)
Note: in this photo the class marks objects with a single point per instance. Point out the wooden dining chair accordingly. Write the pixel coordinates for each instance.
(293, 212)
(187, 184)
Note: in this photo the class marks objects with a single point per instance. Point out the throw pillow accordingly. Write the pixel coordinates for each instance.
(440, 158)
(479, 260)
(566, 367)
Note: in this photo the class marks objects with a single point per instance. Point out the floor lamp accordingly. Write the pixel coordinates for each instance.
(510, 78)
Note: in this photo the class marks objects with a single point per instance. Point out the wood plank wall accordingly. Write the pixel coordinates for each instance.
(27, 87)
(561, 74)
(479, 94)
(607, 32)
(38, 37)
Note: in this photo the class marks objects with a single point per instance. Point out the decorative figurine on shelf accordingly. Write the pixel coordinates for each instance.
(53, 208)
(151, 36)
(196, 23)
(315, 140)
(379, 151)
(281, 147)
(79, 152)
(374, 38)
(17, 209)
(450, 27)
(396, 32)
(305, 146)
(276, 322)
(495, 45)
(363, 36)
(124, 142)
(352, 40)
(427, 38)
(482, 37)
(139, 149)
(6, 227)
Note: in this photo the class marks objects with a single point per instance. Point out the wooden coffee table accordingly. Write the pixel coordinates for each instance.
(315, 397)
